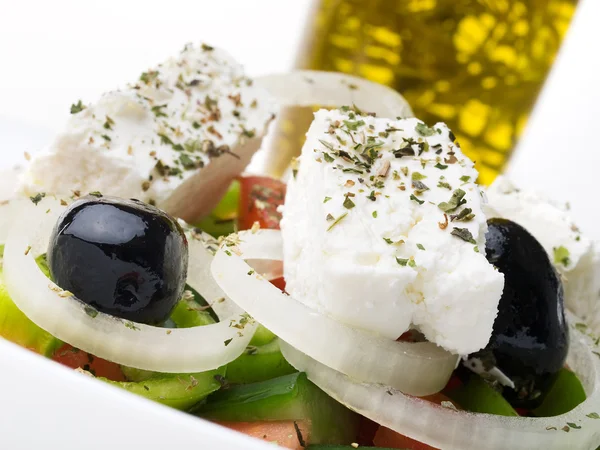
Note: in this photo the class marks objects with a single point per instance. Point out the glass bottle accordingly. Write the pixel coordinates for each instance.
(477, 65)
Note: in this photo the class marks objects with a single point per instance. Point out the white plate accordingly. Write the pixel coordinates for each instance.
(46, 406)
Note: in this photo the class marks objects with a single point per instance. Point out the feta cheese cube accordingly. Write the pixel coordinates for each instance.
(176, 137)
(383, 229)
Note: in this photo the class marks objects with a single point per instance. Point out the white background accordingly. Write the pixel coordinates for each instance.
(53, 53)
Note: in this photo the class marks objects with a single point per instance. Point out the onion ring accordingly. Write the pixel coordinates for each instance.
(333, 89)
(415, 368)
(449, 429)
(123, 342)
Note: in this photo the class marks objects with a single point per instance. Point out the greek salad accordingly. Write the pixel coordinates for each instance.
(378, 297)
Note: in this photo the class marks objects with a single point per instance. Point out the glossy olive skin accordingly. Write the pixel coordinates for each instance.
(530, 337)
(123, 257)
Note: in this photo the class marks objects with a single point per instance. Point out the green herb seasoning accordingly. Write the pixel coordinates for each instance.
(131, 326)
(405, 151)
(419, 186)
(424, 130)
(464, 216)
(77, 107)
(455, 201)
(348, 204)
(336, 221)
(187, 162)
(92, 312)
(561, 256)
(354, 126)
(148, 77)
(328, 157)
(158, 112)
(37, 198)
(108, 123)
(464, 234)
(413, 198)
(248, 133)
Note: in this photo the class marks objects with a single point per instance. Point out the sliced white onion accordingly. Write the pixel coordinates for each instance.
(269, 269)
(449, 429)
(123, 342)
(332, 89)
(199, 268)
(199, 273)
(414, 368)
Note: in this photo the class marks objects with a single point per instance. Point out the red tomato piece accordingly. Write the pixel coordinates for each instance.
(390, 439)
(366, 432)
(285, 433)
(409, 336)
(453, 383)
(279, 283)
(259, 199)
(75, 359)
(523, 412)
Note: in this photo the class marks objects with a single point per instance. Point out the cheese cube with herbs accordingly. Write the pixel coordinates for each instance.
(575, 256)
(176, 137)
(383, 230)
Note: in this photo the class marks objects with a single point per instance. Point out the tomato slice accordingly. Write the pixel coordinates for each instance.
(286, 433)
(391, 439)
(74, 358)
(259, 199)
(279, 283)
(366, 432)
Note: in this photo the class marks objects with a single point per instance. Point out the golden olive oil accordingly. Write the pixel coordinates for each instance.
(477, 65)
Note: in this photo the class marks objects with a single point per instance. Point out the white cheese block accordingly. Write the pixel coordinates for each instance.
(176, 137)
(369, 240)
(576, 257)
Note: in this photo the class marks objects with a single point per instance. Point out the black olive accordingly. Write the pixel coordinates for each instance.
(530, 337)
(123, 257)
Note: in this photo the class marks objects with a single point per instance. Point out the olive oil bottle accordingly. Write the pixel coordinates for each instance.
(477, 65)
